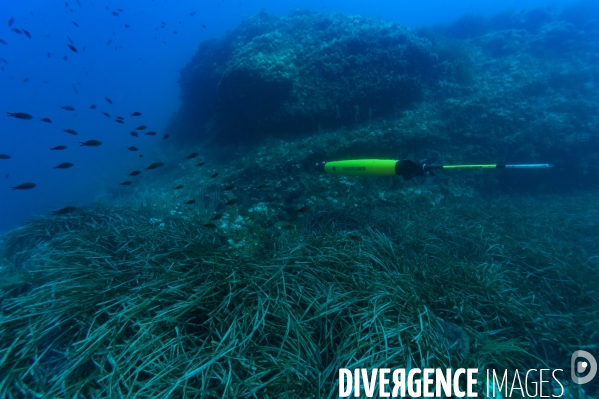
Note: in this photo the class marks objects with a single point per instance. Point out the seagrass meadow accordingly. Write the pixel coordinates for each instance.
(130, 300)
(239, 270)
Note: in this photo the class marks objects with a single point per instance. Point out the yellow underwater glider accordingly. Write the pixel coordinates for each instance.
(404, 168)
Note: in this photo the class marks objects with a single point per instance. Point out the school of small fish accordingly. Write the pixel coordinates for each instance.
(70, 108)
(121, 120)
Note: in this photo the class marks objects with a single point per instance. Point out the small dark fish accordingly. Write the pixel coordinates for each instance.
(229, 187)
(64, 165)
(141, 155)
(93, 106)
(192, 13)
(134, 173)
(231, 201)
(151, 134)
(59, 148)
(73, 49)
(141, 127)
(75, 89)
(119, 121)
(261, 186)
(24, 186)
(109, 100)
(70, 40)
(190, 202)
(119, 9)
(108, 42)
(4, 156)
(175, 32)
(203, 26)
(106, 114)
(303, 209)
(27, 33)
(6, 176)
(163, 23)
(67, 108)
(214, 174)
(119, 117)
(179, 187)
(75, 23)
(78, 2)
(17, 30)
(126, 25)
(155, 165)
(11, 21)
(64, 57)
(136, 113)
(134, 134)
(289, 227)
(192, 155)
(2, 41)
(69, 131)
(125, 183)
(201, 163)
(25, 80)
(65, 210)
(216, 216)
(116, 14)
(132, 148)
(47, 120)
(355, 238)
(48, 54)
(20, 115)
(210, 225)
(166, 136)
(90, 143)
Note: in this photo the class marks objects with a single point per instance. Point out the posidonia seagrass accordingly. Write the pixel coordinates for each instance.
(102, 302)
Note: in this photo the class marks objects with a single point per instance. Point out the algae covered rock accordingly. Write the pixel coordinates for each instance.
(304, 71)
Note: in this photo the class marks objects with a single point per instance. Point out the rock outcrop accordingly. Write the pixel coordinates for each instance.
(279, 75)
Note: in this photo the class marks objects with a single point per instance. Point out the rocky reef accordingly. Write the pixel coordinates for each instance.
(244, 272)
(517, 87)
(276, 75)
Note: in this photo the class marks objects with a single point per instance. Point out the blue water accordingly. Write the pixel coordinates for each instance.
(137, 67)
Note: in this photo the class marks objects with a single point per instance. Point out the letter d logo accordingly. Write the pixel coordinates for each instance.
(581, 366)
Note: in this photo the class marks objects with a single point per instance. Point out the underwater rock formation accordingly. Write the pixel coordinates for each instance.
(516, 87)
(304, 71)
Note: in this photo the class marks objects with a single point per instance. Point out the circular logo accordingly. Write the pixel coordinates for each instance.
(579, 366)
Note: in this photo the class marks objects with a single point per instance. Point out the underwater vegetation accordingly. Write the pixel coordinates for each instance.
(110, 300)
(235, 269)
